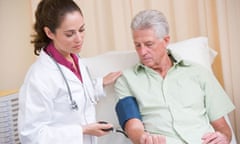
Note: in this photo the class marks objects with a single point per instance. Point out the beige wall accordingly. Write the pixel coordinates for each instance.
(16, 53)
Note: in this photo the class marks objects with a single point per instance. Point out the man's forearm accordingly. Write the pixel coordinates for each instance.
(134, 129)
(221, 126)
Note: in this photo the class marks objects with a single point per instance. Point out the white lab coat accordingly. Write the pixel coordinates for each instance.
(45, 115)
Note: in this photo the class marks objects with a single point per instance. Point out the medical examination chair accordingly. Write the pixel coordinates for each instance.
(195, 49)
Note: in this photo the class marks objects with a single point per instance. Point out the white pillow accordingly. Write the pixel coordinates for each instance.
(196, 50)
(111, 61)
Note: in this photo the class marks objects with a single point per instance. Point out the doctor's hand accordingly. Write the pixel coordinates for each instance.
(96, 129)
(111, 78)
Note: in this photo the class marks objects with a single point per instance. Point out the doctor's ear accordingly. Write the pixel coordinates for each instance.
(48, 32)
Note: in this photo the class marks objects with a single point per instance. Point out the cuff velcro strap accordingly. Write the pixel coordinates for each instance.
(126, 109)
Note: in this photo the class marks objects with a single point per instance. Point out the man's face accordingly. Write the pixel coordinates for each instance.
(149, 47)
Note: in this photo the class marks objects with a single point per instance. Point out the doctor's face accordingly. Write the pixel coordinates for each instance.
(68, 37)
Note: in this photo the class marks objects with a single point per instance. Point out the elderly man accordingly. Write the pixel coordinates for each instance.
(165, 99)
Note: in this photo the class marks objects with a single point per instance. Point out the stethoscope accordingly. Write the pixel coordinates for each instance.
(73, 103)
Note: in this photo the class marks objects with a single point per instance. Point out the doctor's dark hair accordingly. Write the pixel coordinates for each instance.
(50, 13)
(151, 19)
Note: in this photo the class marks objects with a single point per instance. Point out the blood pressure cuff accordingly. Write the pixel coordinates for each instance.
(126, 109)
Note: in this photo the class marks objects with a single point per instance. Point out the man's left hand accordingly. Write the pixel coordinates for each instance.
(215, 138)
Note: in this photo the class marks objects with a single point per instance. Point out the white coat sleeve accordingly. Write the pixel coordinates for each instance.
(98, 88)
(35, 118)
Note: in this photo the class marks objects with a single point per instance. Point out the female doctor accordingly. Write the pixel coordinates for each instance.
(58, 95)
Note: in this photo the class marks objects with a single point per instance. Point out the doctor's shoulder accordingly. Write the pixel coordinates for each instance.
(41, 73)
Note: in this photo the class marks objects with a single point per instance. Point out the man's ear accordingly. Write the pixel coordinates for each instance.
(166, 40)
(48, 32)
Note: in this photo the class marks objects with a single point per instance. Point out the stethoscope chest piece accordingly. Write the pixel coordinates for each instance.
(74, 105)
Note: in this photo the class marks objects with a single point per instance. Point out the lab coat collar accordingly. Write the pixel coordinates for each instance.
(47, 61)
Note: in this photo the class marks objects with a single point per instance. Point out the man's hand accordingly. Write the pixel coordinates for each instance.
(215, 138)
(147, 138)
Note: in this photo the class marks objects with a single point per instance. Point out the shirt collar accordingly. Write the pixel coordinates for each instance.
(55, 54)
(177, 61)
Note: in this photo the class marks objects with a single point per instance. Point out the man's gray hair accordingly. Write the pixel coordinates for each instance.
(148, 19)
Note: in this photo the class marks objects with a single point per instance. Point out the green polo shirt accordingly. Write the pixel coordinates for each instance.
(178, 106)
